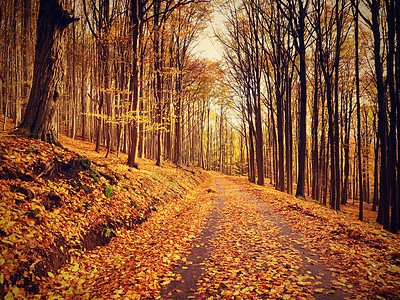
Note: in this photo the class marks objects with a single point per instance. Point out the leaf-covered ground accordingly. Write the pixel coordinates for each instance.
(252, 254)
(57, 204)
(364, 259)
(252, 259)
(174, 234)
(269, 245)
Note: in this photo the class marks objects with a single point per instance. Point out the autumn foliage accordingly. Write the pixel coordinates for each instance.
(57, 204)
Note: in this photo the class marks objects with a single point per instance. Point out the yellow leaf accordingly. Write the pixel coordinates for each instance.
(75, 268)
(1, 278)
(331, 292)
(166, 282)
(303, 283)
(51, 275)
(9, 296)
(319, 290)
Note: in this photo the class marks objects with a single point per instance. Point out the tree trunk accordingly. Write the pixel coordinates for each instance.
(361, 212)
(252, 167)
(25, 48)
(303, 103)
(336, 87)
(289, 136)
(134, 82)
(39, 116)
(178, 126)
(397, 79)
(314, 129)
(383, 211)
(392, 142)
(158, 85)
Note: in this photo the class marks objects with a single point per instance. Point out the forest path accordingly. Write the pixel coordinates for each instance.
(246, 251)
(221, 241)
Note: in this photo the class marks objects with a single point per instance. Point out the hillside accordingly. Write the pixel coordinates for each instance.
(57, 203)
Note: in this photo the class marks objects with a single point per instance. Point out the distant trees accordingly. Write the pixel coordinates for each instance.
(244, 52)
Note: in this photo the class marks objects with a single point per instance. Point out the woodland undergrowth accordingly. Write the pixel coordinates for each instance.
(56, 204)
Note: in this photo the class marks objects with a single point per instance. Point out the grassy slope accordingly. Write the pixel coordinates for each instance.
(56, 202)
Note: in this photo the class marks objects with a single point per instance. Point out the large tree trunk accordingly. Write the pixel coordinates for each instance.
(25, 48)
(336, 91)
(39, 116)
(301, 48)
(392, 141)
(397, 80)
(383, 211)
(300, 191)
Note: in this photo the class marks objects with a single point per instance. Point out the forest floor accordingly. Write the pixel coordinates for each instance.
(170, 233)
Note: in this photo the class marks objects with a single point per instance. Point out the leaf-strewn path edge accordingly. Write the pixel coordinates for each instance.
(364, 258)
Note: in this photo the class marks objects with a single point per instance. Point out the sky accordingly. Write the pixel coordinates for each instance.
(208, 46)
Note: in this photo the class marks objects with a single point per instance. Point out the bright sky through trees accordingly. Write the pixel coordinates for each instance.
(208, 45)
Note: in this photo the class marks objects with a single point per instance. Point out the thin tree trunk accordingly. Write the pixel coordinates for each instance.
(134, 81)
(361, 212)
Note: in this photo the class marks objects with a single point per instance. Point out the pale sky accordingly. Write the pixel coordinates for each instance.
(208, 45)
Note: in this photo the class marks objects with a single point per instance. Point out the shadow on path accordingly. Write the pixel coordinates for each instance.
(192, 271)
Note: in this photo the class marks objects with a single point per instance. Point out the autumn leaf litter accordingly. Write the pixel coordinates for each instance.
(249, 258)
(48, 219)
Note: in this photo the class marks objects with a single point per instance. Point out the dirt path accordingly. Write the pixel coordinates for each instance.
(248, 252)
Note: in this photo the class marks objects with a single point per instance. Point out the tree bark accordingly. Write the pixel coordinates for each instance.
(392, 142)
(314, 129)
(383, 210)
(289, 135)
(303, 105)
(40, 112)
